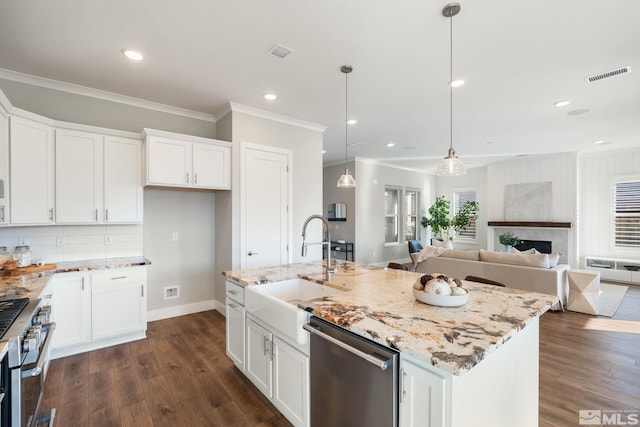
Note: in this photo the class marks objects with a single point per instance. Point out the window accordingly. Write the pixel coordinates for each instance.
(411, 203)
(459, 199)
(626, 213)
(391, 208)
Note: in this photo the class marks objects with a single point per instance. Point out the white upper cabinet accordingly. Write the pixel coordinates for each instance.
(176, 160)
(123, 180)
(32, 172)
(79, 177)
(4, 167)
(98, 178)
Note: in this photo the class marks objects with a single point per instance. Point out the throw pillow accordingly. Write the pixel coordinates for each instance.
(554, 259)
(438, 243)
(460, 254)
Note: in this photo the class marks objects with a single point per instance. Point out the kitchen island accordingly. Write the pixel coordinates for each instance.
(459, 365)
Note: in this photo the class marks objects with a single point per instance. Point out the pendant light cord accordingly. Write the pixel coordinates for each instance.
(450, 83)
(346, 116)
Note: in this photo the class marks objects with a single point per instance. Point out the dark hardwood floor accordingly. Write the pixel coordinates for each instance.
(181, 376)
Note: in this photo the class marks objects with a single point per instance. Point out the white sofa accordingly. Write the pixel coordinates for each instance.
(460, 264)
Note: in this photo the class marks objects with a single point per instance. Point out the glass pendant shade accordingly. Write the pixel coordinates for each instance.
(346, 180)
(451, 165)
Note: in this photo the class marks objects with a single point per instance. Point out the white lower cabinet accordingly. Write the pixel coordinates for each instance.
(290, 382)
(422, 396)
(279, 370)
(71, 309)
(235, 333)
(99, 309)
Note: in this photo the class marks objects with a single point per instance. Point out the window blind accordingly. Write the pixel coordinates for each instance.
(626, 196)
(459, 199)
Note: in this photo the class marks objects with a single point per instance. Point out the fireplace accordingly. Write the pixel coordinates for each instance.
(555, 234)
(542, 246)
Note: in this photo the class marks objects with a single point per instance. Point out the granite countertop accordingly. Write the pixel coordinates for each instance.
(31, 285)
(379, 305)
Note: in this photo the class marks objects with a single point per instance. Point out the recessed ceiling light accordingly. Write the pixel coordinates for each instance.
(457, 83)
(352, 121)
(356, 143)
(391, 144)
(270, 96)
(324, 151)
(132, 54)
(599, 141)
(578, 112)
(561, 103)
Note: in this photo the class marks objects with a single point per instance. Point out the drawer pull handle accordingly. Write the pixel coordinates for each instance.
(232, 292)
(119, 277)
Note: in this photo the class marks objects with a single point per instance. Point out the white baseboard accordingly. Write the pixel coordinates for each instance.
(181, 310)
(221, 308)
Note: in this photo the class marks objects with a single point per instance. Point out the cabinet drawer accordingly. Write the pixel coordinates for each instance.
(120, 275)
(235, 292)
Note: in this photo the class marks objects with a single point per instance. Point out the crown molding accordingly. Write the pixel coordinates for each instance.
(239, 108)
(102, 94)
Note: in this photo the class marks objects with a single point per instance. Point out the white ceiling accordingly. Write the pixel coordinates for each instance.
(518, 57)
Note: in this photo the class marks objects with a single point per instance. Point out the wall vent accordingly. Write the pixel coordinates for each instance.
(608, 74)
(280, 51)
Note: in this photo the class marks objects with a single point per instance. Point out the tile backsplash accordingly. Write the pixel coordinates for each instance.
(62, 243)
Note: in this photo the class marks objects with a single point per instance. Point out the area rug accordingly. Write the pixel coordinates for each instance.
(610, 298)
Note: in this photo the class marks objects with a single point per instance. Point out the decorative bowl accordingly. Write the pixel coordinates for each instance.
(441, 300)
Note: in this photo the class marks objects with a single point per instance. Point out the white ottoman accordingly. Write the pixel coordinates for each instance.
(584, 291)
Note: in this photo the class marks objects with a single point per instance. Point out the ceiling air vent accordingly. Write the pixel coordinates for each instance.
(612, 73)
(280, 51)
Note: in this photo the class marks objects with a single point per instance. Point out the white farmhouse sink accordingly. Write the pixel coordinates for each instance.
(276, 304)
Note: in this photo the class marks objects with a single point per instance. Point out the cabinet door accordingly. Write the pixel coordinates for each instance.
(235, 333)
(4, 167)
(79, 177)
(258, 361)
(71, 309)
(168, 162)
(290, 382)
(211, 166)
(422, 397)
(122, 180)
(32, 172)
(118, 308)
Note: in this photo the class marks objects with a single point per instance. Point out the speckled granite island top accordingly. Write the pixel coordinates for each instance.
(378, 304)
(30, 285)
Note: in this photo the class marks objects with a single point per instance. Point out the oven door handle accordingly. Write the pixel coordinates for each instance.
(42, 355)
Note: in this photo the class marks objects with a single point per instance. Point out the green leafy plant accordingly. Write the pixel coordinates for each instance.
(509, 239)
(440, 222)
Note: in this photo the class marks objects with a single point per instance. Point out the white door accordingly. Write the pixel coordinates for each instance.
(290, 382)
(259, 357)
(264, 206)
(72, 309)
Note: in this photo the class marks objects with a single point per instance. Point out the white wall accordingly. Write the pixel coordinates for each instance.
(306, 145)
(340, 230)
(597, 172)
(371, 179)
(188, 262)
(474, 179)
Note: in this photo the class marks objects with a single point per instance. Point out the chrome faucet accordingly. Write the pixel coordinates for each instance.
(329, 270)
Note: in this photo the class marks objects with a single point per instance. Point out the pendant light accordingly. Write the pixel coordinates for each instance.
(346, 180)
(451, 165)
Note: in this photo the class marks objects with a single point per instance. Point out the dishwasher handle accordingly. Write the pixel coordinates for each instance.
(382, 364)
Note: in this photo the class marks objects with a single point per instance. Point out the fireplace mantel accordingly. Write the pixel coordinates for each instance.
(530, 224)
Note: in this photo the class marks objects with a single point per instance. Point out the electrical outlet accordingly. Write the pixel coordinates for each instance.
(59, 242)
(172, 292)
(175, 236)
(23, 241)
(107, 240)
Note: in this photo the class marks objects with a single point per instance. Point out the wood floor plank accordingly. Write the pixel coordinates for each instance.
(103, 399)
(136, 415)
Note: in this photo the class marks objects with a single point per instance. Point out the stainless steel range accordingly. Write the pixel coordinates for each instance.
(25, 327)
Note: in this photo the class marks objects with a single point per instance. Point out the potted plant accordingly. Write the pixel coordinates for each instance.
(444, 226)
(508, 239)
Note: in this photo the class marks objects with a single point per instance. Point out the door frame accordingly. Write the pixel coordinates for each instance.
(244, 146)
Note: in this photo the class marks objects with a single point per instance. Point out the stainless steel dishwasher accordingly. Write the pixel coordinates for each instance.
(353, 382)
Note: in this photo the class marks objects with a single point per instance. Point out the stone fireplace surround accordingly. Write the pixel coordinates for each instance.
(555, 232)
